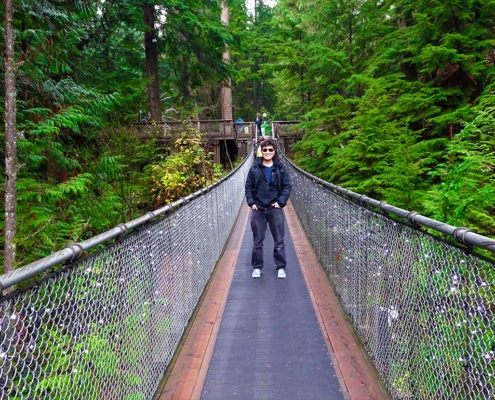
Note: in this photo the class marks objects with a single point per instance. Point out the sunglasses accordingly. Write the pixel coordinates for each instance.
(267, 150)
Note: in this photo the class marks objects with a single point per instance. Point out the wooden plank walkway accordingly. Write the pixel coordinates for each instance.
(190, 377)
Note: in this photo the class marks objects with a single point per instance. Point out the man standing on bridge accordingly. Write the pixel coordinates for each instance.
(258, 121)
(268, 189)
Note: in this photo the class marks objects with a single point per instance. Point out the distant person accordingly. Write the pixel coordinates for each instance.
(239, 126)
(268, 189)
(258, 122)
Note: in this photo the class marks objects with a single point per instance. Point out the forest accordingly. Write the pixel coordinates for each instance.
(395, 98)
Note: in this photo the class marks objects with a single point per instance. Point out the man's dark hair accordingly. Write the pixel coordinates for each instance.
(268, 142)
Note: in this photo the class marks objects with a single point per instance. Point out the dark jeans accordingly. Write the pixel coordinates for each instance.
(276, 220)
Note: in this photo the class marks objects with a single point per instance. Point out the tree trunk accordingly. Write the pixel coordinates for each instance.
(226, 90)
(151, 53)
(10, 140)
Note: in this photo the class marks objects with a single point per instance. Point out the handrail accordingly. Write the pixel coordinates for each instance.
(206, 121)
(75, 250)
(461, 234)
(203, 121)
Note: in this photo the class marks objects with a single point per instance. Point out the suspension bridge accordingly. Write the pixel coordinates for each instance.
(378, 303)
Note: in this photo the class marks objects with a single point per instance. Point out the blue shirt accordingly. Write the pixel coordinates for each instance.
(268, 173)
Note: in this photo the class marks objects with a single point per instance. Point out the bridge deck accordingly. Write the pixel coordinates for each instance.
(270, 338)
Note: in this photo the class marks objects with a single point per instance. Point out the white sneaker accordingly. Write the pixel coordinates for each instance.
(256, 273)
(281, 273)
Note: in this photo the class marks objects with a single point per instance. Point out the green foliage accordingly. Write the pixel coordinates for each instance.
(77, 187)
(187, 169)
(251, 52)
(389, 95)
(385, 91)
(464, 196)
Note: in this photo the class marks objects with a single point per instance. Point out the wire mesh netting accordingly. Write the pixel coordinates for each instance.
(423, 308)
(107, 326)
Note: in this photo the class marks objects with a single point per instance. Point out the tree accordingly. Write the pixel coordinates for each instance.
(226, 90)
(81, 82)
(50, 109)
(150, 48)
(10, 140)
(467, 174)
(387, 86)
(251, 57)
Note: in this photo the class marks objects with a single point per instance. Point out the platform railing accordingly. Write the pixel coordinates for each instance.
(216, 129)
(423, 306)
(106, 325)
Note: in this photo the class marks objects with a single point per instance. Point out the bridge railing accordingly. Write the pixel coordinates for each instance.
(105, 326)
(217, 129)
(287, 129)
(423, 307)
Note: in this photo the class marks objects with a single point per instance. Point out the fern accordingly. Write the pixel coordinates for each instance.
(76, 186)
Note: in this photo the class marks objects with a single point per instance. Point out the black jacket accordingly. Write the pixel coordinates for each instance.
(264, 194)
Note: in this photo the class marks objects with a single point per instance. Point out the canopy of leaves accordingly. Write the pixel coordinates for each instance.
(81, 84)
(395, 98)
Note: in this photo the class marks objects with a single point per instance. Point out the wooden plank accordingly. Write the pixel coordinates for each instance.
(357, 372)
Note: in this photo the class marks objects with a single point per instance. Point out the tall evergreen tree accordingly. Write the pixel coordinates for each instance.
(151, 52)
(464, 196)
(389, 85)
(10, 140)
(252, 33)
(83, 78)
(226, 89)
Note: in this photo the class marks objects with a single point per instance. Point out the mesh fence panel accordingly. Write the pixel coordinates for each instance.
(423, 308)
(106, 326)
